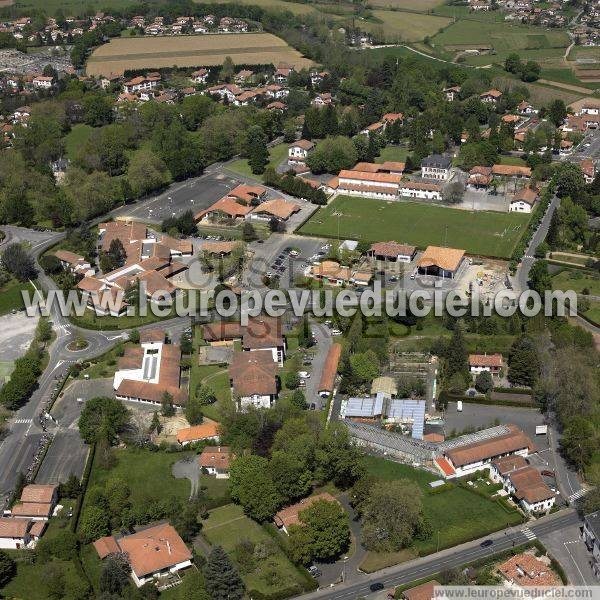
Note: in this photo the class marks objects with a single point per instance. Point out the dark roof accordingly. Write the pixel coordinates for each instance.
(436, 160)
(593, 522)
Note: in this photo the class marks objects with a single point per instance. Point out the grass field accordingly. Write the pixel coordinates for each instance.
(189, 51)
(486, 233)
(148, 475)
(276, 154)
(76, 138)
(10, 296)
(457, 515)
(403, 26)
(74, 8)
(393, 153)
(577, 280)
(294, 7)
(227, 526)
(594, 313)
(416, 5)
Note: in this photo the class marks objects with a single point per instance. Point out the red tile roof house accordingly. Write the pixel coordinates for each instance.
(36, 503)
(467, 459)
(147, 371)
(74, 263)
(265, 333)
(298, 151)
(153, 553)
(290, 515)
(485, 362)
(216, 460)
(330, 368)
(254, 380)
(15, 533)
(390, 255)
(530, 490)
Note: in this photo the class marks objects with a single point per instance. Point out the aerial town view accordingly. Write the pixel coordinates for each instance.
(299, 299)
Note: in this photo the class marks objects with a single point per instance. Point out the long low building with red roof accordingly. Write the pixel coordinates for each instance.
(330, 368)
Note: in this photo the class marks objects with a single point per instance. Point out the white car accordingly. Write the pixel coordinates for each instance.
(336, 332)
(304, 375)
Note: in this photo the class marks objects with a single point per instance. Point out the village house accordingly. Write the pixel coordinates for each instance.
(254, 380)
(324, 99)
(16, 534)
(485, 362)
(491, 96)
(441, 262)
(265, 333)
(216, 460)
(477, 456)
(479, 177)
(588, 169)
(511, 171)
(524, 200)
(425, 591)
(451, 93)
(530, 491)
(332, 273)
(381, 186)
(148, 372)
(227, 208)
(74, 263)
(377, 127)
(200, 76)
(141, 83)
(36, 503)
(274, 209)
(298, 151)
(282, 74)
(525, 570)
(205, 432)
(436, 167)
(153, 553)
(290, 515)
(524, 108)
(390, 256)
(421, 190)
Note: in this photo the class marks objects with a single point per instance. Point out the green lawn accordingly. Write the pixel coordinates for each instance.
(404, 26)
(594, 313)
(392, 153)
(228, 525)
(76, 138)
(514, 161)
(457, 515)
(148, 475)
(73, 7)
(485, 233)
(30, 581)
(10, 296)
(577, 280)
(105, 365)
(276, 154)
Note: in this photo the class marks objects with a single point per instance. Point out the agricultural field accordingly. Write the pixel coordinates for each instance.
(400, 26)
(484, 233)
(227, 526)
(121, 54)
(297, 8)
(416, 5)
(77, 8)
(539, 93)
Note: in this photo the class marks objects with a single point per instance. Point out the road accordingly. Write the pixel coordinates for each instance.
(522, 274)
(451, 558)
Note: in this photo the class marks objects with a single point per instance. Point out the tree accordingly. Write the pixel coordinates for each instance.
(256, 149)
(332, 155)
(326, 531)
(166, 404)
(252, 486)
(365, 365)
(291, 477)
(292, 380)
(512, 64)
(457, 356)
(155, 424)
(557, 112)
(298, 399)
(539, 278)
(248, 232)
(97, 109)
(484, 382)
(102, 418)
(227, 69)
(17, 261)
(146, 173)
(568, 180)
(94, 524)
(193, 410)
(390, 515)
(8, 568)
(114, 577)
(222, 580)
(453, 194)
(579, 442)
(523, 362)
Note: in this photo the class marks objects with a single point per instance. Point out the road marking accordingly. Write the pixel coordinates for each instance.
(22, 421)
(577, 495)
(528, 533)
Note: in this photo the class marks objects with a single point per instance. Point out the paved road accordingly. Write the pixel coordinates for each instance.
(449, 559)
(319, 351)
(522, 274)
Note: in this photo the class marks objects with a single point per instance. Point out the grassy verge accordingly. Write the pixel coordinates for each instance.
(10, 296)
(277, 155)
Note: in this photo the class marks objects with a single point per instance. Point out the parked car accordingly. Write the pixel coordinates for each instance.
(336, 332)
(486, 543)
(376, 587)
(304, 375)
(314, 571)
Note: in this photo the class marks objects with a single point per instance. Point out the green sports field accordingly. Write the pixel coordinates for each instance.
(484, 233)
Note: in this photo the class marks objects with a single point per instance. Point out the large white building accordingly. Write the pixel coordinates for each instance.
(436, 167)
(381, 186)
(421, 190)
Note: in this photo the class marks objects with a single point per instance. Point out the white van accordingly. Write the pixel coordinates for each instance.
(459, 406)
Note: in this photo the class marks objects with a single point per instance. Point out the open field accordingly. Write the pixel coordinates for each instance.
(593, 314)
(416, 5)
(227, 526)
(540, 93)
(404, 26)
(276, 155)
(10, 296)
(76, 138)
(294, 7)
(456, 515)
(76, 8)
(486, 233)
(191, 51)
(577, 280)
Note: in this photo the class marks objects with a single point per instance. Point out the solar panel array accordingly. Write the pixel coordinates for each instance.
(150, 366)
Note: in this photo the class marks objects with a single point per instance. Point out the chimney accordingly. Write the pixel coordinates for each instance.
(168, 547)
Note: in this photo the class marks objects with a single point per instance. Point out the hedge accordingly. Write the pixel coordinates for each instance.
(536, 218)
(511, 390)
(84, 483)
(448, 396)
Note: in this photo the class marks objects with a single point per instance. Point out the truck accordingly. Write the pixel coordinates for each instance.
(459, 406)
(541, 429)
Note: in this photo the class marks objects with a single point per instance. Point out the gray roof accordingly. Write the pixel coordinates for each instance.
(593, 523)
(436, 160)
(409, 409)
(364, 407)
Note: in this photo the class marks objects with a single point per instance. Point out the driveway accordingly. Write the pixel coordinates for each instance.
(188, 468)
(319, 351)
